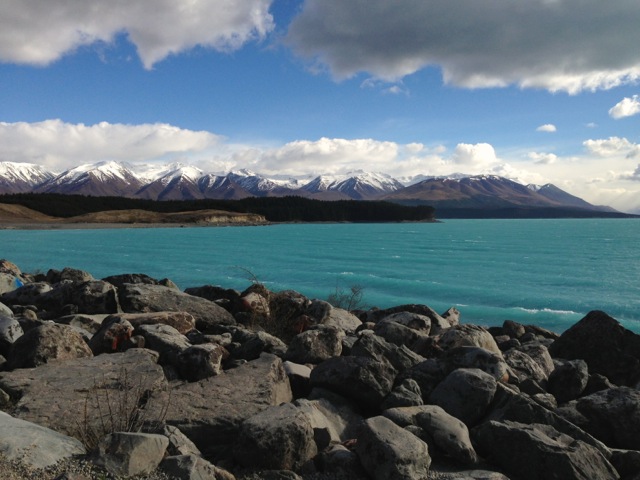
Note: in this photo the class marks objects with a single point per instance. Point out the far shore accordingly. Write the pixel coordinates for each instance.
(109, 226)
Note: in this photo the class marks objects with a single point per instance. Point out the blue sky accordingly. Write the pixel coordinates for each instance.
(539, 91)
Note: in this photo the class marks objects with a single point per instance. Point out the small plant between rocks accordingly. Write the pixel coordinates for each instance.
(121, 405)
(349, 299)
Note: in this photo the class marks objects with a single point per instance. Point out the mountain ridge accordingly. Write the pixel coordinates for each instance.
(185, 182)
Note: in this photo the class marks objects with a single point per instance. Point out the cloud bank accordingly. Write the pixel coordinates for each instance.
(58, 145)
(39, 32)
(609, 170)
(559, 45)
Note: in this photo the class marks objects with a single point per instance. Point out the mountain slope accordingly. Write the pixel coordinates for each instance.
(21, 177)
(101, 179)
(485, 191)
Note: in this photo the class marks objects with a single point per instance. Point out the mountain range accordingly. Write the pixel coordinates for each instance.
(184, 182)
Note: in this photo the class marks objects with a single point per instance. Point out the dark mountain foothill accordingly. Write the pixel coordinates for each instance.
(136, 377)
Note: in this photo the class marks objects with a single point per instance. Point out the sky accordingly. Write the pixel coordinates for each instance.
(541, 91)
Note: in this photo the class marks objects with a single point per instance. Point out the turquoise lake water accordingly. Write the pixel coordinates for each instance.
(545, 272)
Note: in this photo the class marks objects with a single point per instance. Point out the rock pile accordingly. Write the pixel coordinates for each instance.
(136, 376)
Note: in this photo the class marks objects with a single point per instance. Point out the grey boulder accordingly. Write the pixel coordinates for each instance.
(539, 452)
(388, 452)
(33, 445)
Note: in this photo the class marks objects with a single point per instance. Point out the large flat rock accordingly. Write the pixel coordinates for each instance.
(33, 445)
(211, 411)
(64, 396)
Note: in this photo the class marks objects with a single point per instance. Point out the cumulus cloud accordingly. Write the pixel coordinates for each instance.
(613, 147)
(548, 127)
(39, 32)
(626, 107)
(557, 45)
(58, 145)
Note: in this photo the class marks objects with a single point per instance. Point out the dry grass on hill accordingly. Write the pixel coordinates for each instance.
(17, 214)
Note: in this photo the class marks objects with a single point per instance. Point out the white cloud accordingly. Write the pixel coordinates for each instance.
(58, 145)
(557, 45)
(39, 32)
(626, 107)
(543, 158)
(612, 147)
(478, 155)
(548, 127)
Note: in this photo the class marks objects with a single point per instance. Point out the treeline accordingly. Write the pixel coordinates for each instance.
(275, 209)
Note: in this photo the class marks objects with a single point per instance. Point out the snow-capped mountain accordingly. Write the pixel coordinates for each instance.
(181, 182)
(100, 179)
(21, 177)
(357, 186)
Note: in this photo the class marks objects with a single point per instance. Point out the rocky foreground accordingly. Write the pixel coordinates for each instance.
(130, 377)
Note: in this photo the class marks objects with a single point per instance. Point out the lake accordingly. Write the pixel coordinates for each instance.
(547, 272)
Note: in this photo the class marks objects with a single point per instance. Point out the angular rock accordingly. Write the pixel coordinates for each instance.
(128, 454)
(316, 345)
(399, 334)
(406, 394)
(513, 329)
(179, 443)
(539, 452)
(568, 381)
(298, 378)
(165, 340)
(89, 323)
(35, 446)
(539, 354)
(468, 335)
(388, 452)
(211, 411)
(377, 348)
(71, 274)
(254, 344)
(6, 311)
(26, 295)
(444, 432)
(436, 320)
(608, 348)
(415, 321)
(476, 357)
(9, 283)
(111, 336)
(524, 366)
(512, 406)
(326, 314)
(10, 331)
(9, 268)
(427, 374)
(201, 361)
(118, 281)
(59, 398)
(332, 421)
(183, 322)
(465, 394)
(90, 297)
(360, 379)
(142, 298)
(193, 467)
(277, 438)
(47, 343)
(613, 416)
(337, 461)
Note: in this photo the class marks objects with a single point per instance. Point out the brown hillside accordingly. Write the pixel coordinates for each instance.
(18, 213)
